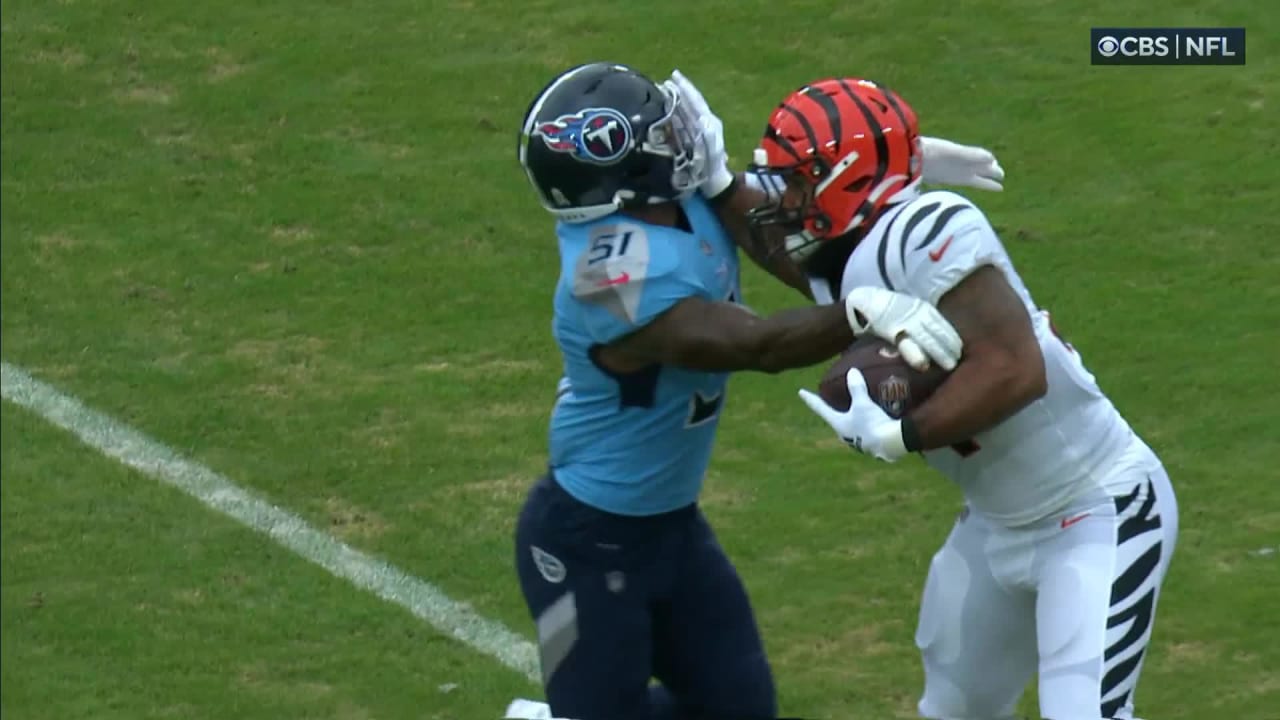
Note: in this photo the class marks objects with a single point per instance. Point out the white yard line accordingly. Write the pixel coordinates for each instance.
(130, 447)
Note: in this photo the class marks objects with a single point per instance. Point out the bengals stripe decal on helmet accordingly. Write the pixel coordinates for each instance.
(853, 143)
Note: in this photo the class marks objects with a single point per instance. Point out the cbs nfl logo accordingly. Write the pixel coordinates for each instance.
(1167, 46)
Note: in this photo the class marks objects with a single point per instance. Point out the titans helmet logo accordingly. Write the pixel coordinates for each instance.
(595, 135)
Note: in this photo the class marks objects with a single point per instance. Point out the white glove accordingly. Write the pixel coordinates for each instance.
(948, 163)
(921, 333)
(719, 176)
(865, 426)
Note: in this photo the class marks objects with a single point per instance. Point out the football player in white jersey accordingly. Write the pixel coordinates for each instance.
(1056, 561)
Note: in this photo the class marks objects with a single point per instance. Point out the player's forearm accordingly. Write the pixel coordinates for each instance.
(764, 246)
(799, 337)
(978, 395)
(696, 334)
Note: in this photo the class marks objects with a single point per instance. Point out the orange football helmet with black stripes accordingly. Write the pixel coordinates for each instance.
(835, 153)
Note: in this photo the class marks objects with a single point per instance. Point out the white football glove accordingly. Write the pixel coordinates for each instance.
(719, 176)
(949, 163)
(919, 331)
(865, 426)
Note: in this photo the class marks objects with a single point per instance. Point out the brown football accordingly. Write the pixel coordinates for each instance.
(892, 383)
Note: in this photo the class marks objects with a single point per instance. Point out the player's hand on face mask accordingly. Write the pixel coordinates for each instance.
(919, 331)
(949, 163)
(719, 176)
(865, 426)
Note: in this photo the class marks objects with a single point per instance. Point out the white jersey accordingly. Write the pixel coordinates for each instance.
(1051, 452)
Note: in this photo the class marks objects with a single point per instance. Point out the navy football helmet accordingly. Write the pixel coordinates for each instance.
(602, 137)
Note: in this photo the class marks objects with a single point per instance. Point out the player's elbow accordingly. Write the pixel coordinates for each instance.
(1014, 379)
(1039, 380)
(1024, 378)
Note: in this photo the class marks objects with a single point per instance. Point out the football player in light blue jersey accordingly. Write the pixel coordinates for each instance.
(621, 573)
(619, 275)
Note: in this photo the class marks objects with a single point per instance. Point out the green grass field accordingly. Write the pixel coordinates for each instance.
(291, 241)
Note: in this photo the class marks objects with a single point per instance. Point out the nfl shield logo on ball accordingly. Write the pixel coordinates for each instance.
(894, 392)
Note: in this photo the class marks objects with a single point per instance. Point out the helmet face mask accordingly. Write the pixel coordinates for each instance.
(678, 135)
(790, 207)
(602, 137)
(842, 149)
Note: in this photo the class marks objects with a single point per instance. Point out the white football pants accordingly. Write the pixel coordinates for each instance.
(1071, 598)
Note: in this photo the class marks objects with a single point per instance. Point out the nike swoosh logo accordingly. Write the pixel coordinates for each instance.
(936, 255)
(1068, 522)
(622, 279)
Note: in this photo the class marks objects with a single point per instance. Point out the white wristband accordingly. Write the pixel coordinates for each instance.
(891, 442)
(719, 181)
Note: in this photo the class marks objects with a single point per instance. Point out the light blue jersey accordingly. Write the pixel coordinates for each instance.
(636, 444)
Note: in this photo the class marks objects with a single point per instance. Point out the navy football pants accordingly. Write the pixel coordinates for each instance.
(621, 600)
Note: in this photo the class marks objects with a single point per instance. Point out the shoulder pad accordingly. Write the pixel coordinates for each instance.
(615, 254)
(927, 217)
(618, 260)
